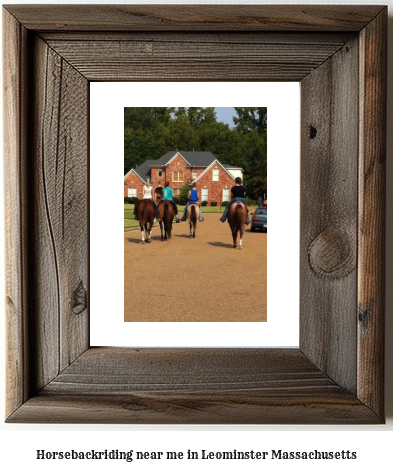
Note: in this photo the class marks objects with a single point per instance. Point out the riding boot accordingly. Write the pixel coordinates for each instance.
(224, 216)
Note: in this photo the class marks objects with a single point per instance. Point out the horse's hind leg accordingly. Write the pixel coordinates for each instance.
(241, 239)
(162, 237)
(234, 236)
(143, 234)
(148, 233)
(190, 229)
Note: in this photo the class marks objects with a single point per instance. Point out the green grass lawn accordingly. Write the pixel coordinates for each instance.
(130, 222)
(129, 208)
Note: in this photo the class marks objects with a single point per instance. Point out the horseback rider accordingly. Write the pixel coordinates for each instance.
(167, 195)
(238, 193)
(193, 199)
(147, 194)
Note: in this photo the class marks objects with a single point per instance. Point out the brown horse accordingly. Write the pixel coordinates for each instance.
(166, 213)
(237, 217)
(158, 194)
(193, 216)
(146, 214)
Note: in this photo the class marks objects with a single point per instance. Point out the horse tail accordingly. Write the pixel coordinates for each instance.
(167, 222)
(193, 216)
(239, 212)
(145, 213)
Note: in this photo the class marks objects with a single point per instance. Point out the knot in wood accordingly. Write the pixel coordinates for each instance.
(363, 316)
(330, 254)
(313, 132)
(80, 299)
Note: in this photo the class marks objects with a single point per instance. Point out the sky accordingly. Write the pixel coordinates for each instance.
(225, 114)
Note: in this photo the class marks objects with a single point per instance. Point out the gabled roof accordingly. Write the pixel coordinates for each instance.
(210, 167)
(196, 159)
(175, 155)
(136, 172)
(232, 167)
(143, 170)
(193, 158)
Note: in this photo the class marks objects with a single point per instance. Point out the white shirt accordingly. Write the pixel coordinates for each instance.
(147, 192)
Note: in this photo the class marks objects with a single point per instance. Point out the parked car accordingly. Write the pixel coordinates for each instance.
(259, 219)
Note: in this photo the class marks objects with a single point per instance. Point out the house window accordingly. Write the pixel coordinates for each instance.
(216, 175)
(205, 194)
(225, 195)
(178, 176)
(160, 174)
(131, 192)
(176, 192)
(194, 174)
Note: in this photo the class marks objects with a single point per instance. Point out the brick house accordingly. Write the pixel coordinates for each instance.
(213, 179)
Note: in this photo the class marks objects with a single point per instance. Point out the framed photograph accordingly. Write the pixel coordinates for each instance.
(52, 54)
(229, 313)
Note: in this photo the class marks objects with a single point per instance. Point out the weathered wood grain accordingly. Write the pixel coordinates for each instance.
(239, 409)
(193, 386)
(60, 219)
(329, 174)
(195, 17)
(371, 230)
(52, 374)
(14, 71)
(188, 59)
(201, 37)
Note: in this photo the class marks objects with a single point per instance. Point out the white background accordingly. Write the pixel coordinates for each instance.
(107, 145)
(18, 443)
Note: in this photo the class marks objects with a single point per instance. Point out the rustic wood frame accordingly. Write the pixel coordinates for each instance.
(338, 53)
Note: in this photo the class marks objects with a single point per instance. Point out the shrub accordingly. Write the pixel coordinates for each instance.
(176, 200)
(183, 196)
(213, 203)
(130, 200)
(224, 203)
(250, 202)
(204, 203)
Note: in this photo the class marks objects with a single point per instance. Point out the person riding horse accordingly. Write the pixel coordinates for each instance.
(192, 199)
(147, 194)
(238, 193)
(167, 195)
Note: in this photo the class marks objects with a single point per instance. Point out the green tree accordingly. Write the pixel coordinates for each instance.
(183, 196)
(180, 135)
(251, 118)
(146, 118)
(198, 116)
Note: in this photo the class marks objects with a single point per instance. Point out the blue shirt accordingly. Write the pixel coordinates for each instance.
(167, 194)
(194, 195)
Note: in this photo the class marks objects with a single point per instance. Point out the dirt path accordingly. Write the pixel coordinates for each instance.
(195, 280)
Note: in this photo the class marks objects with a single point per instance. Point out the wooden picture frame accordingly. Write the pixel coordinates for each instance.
(338, 54)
